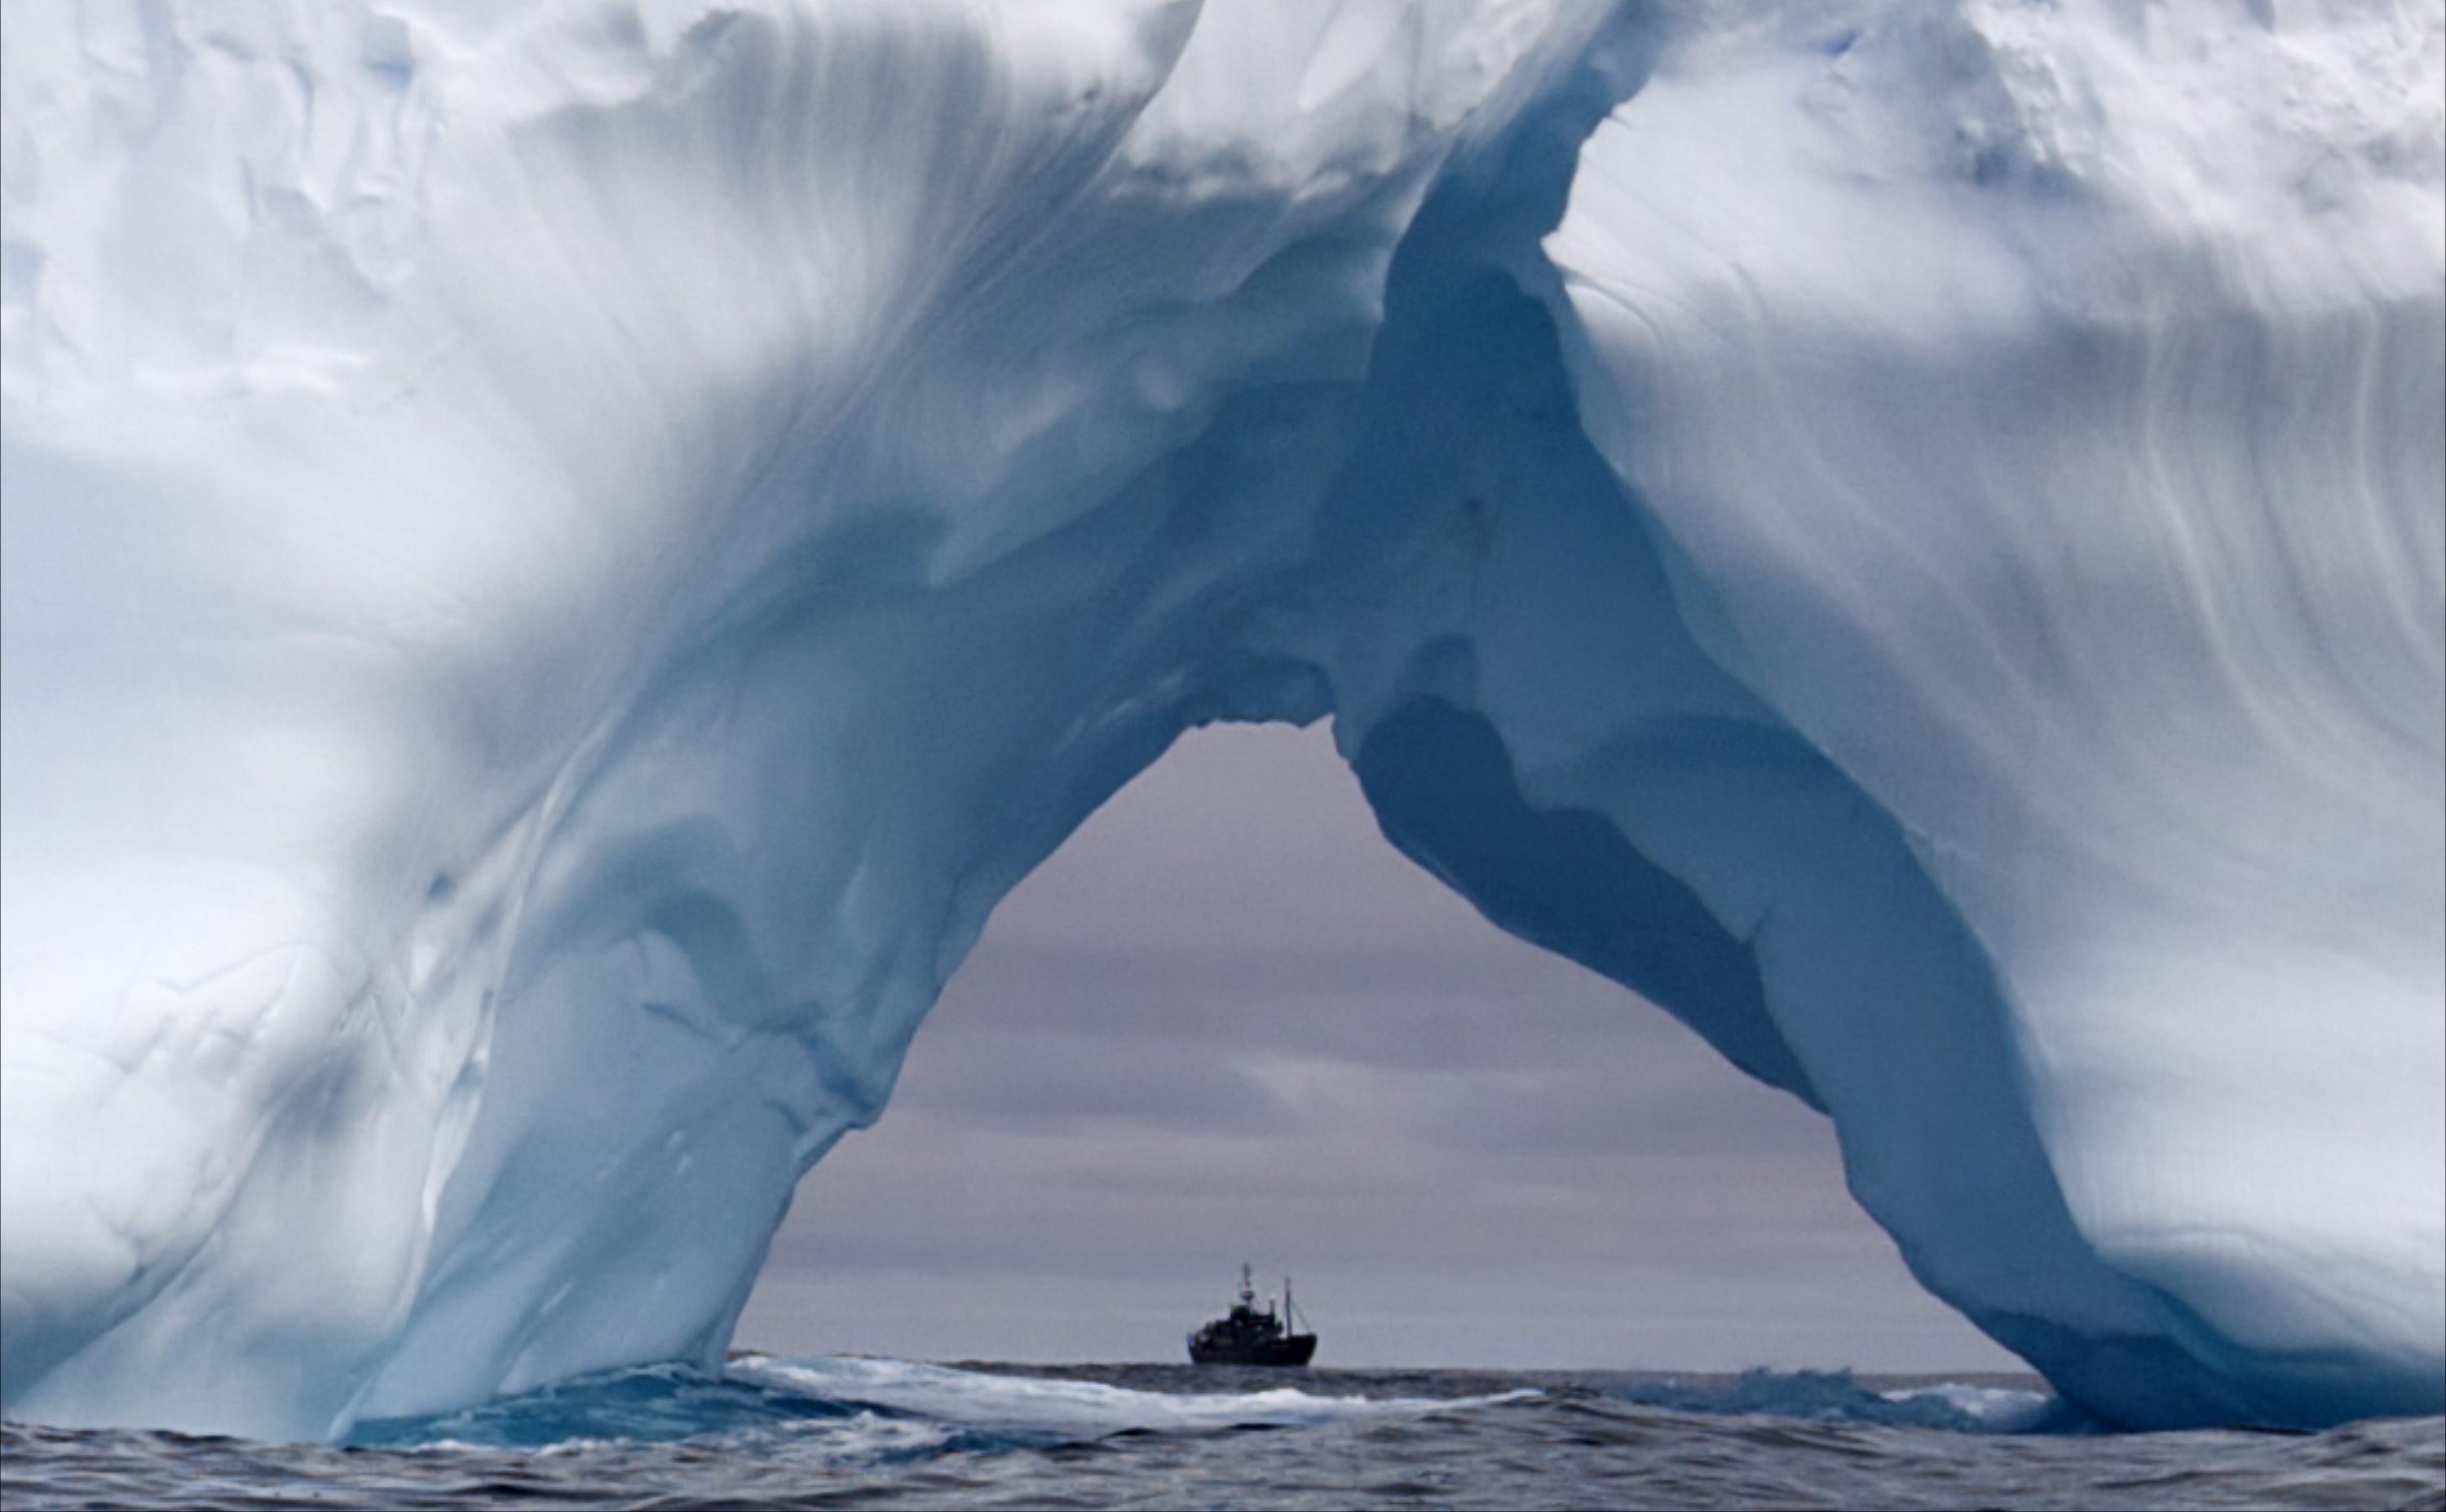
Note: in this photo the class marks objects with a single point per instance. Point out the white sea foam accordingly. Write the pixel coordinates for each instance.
(992, 1400)
(1993, 1408)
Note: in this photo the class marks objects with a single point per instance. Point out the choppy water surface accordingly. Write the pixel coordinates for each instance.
(888, 1434)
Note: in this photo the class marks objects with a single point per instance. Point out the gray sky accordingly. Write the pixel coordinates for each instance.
(1229, 1021)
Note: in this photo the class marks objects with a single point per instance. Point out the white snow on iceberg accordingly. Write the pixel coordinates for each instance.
(557, 563)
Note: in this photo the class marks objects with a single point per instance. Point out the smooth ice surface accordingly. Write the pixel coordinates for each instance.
(2107, 463)
(557, 562)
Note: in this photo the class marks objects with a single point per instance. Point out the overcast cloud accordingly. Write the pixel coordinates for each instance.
(1227, 1021)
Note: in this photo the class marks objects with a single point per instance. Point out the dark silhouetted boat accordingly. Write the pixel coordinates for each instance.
(1247, 1336)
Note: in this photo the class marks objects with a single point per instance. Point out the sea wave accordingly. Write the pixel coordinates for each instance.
(873, 1409)
(1024, 1404)
(884, 1433)
(1837, 1396)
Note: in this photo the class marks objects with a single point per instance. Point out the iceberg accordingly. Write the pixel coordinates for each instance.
(559, 560)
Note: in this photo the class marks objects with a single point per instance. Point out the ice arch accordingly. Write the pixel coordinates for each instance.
(558, 566)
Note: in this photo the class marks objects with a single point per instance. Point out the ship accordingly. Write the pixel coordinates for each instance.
(1247, 1336)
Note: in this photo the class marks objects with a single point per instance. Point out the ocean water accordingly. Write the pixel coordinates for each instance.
(864, 1432)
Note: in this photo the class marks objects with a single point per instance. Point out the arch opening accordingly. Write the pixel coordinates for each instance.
(1228, 1017)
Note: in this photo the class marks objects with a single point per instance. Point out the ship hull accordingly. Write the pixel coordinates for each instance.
(1294, 1350)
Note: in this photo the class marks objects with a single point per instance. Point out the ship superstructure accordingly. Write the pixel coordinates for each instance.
(1247, 1336)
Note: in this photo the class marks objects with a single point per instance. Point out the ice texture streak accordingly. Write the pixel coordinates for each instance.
(559, 560)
